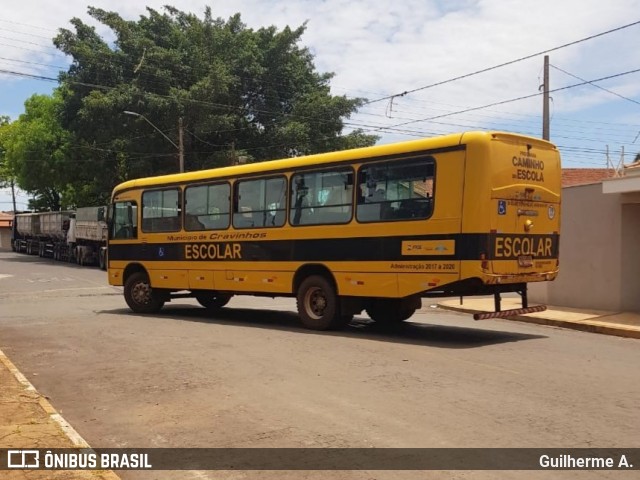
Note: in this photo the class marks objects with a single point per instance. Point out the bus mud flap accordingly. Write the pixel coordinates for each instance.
(509, 313)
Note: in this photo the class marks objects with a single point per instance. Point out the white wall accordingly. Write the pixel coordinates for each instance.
(630, 261)
(593, 270)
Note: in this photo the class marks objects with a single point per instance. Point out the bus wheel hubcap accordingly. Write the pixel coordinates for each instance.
(316, 303)
(141, 293)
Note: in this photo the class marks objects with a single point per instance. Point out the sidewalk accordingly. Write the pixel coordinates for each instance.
(622, 324)
(28, 420)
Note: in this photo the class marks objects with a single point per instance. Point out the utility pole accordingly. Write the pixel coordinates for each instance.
(180, 145)
(13, 193)
(545, 100)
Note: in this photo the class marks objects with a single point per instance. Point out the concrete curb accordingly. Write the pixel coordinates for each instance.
(593, 326)
(69, 432)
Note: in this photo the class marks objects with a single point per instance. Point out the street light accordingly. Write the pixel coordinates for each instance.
(179, 148)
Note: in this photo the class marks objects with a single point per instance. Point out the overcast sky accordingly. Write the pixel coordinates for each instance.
(378, 48)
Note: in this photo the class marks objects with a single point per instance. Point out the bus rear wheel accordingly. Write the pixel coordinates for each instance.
(212, 300)
(140, 296)
(318, 304)
(389, 311)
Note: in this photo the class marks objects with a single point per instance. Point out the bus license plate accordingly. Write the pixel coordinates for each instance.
(525, 261)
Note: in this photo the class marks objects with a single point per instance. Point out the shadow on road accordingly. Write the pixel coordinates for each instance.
(433, 335)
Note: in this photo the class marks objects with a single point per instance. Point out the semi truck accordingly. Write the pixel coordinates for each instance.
(73, 236)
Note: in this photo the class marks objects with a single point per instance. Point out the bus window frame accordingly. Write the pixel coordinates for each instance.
(207, 184)
(179, 209)
(431, 199)
(349, 168)
(130, 227)
(235, 200)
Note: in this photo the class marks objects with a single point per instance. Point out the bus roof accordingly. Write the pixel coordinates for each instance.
(431, 143)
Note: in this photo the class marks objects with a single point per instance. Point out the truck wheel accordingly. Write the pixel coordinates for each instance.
(102, 261)
(318, 304)
(140, 296)
(212, 300)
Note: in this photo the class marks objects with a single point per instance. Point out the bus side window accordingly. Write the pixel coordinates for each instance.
(259, 202)
(161, 210)
(321, 198)
(207, 207)
(396, 190)
(191, 222)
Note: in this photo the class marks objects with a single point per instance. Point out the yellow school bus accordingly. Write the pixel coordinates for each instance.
(375, 229)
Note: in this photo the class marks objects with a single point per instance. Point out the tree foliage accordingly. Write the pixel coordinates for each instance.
(36, 151)
(235, 89)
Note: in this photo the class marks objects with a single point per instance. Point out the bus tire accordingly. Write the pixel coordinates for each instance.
(212, 300)
(318, 306)
(389, 311)
(139, 294)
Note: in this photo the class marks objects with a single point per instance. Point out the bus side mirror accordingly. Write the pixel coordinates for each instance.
(101, 215)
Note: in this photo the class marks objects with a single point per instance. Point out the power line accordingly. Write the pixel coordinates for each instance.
(192, 101)
(118, 61)
(27, 25)
(511, 62)
(524, 97)
(366, 126)
(28, 75)
(33, 63)
(594, 85)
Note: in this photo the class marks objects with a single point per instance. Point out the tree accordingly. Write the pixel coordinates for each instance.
(235, 88)
(35, 152)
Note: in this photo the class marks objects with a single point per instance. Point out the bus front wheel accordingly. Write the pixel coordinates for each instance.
(318, 304)
(140, 296)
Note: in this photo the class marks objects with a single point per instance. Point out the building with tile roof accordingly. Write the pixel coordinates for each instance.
(585, 176)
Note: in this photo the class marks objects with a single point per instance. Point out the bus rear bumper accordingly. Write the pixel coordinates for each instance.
(509, 313)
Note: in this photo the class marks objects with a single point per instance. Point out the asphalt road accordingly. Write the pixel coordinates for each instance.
(253, 377)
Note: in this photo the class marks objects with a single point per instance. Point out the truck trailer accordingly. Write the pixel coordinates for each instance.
(73, 236)
(42, 234)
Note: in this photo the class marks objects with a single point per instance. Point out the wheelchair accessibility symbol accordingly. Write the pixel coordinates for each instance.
(502, 207)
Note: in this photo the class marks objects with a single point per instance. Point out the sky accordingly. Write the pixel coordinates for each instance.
(379, 49)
